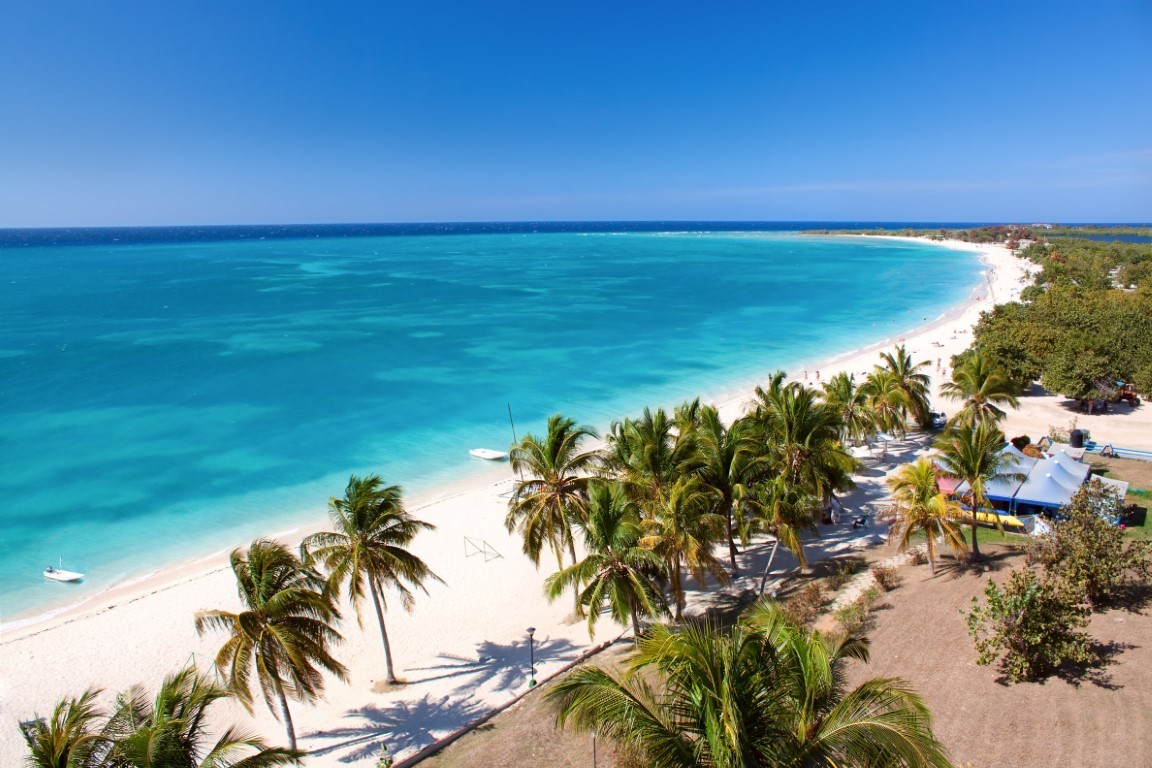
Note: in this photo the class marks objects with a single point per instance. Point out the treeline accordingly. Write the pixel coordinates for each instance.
(1011, 234)
(1084, 324)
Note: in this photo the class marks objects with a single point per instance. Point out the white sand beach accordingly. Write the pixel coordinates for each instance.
(463, 650)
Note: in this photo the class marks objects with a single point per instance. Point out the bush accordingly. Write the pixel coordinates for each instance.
(856, 617)
(1030, 627)
(887, 577)
(805, 606)
(843, 573)
(918, 557)
(1088, 551)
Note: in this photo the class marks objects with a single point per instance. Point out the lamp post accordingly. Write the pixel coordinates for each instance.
(531, 657)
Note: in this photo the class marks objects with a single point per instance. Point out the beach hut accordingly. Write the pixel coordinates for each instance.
(1077, 469)
(1043, 491)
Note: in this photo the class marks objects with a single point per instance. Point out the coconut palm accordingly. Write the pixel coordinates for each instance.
(976, 455)
(850, 403)
(887, 399)
(283, 634)
(368, 549)
(649, 455)
(71, 738)
(731, 467)
(913, 382)
(783, 511)
(922, 508)
(682, 532)
(768, 693)
(549, 501)
(982, 388)
(801, 440)
(617, 571)
(170, 730)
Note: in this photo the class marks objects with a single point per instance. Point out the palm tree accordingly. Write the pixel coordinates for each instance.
(282, 635)
(649, 455)
(982, 388)
(922, 508)
(768, 693)
(731, 468)
(369, 550)
(617, 571)
(915, 384)
(70, 738)
(682, 532)
(850, 403)
(800, 436)
(170, 731)
(550, 499)
(976, 455)
(887, 399)
(784, 511)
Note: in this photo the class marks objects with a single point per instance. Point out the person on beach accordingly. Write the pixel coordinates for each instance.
(817, 375)
(805, 375)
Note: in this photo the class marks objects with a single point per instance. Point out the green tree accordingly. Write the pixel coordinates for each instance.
(982, 388)
(73, 737)
(1030, 626)
(850, 403)
(784, 511)
(887, 399)
(1088, 551)
(649, 455)
(768, 693)
(283, 634)
(923, 509)
(617, 572)
(976, 455)
(913, 382)
(731, 467)
(368, 549)
(170, 730)
(681, 532)
(549, 502)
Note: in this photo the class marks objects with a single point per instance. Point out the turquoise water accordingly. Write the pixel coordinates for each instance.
(169, 400)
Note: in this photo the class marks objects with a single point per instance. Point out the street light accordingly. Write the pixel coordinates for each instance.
(531, 657)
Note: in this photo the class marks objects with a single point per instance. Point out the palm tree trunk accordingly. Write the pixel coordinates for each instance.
(383, 632)
(767, 568)
(677, 589)
(732, 551)
(286, 714)
(635, 624)
(975, 543)
(575, 586)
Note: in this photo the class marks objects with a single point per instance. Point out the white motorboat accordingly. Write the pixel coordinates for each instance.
(488, 454)
(59, 574)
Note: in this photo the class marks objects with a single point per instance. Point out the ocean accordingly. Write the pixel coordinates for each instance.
(171, 393)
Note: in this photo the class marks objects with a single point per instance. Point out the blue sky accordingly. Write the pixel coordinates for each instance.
(176, 112)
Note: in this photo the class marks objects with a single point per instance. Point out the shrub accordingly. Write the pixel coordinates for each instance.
(918, 557)
(1089, 552)
(887, 577)
(805, 606)
(843, 573)
(856, 616)
(1031, 626)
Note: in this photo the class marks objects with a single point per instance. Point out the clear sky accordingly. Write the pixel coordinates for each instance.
(181, 112)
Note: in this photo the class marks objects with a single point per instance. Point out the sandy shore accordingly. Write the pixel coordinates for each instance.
(464, 648)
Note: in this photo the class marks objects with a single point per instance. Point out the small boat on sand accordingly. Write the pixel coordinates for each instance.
(59, 574)
(488, 454)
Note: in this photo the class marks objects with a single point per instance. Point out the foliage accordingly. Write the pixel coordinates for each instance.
(855, 617)
(368, 549)
(982, 388)
(766, 693)
(922, 509)
(167, 731)
(886, 576)
(1090, 552)
(805, 606)
(912, 380)
(843, 572)
(548, 502)
(284, 634)
(617, 572)
(1030, 626)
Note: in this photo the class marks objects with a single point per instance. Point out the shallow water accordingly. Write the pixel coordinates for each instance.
(166, 400)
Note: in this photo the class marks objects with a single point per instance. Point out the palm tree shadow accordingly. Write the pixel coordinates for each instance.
(989, 562)
(504, 665)
(401, 725)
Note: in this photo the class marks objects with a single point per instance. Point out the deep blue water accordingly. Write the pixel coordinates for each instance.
(169, 395)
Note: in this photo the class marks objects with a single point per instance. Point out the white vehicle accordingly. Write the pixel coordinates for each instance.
(59, 574)
(488, 454)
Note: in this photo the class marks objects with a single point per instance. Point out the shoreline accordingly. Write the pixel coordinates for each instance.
(460, 649)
